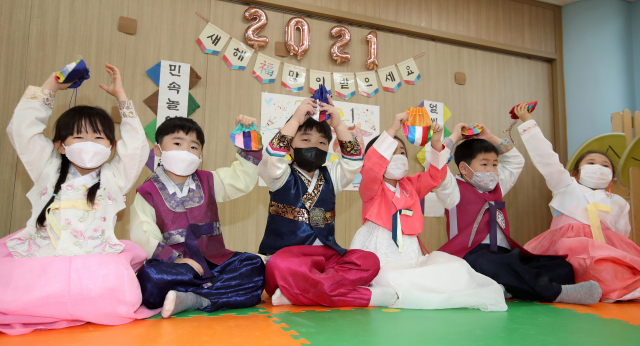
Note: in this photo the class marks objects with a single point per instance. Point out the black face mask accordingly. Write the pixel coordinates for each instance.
(309, 159)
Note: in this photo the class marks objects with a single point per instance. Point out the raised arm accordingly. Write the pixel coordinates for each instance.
(436, 171)
(133, 149)
(542, 154)
(27, 125)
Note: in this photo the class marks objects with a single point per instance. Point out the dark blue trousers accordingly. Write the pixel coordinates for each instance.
(236, 283)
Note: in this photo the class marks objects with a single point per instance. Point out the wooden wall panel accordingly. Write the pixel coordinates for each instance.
(15, 17)
(168, 30)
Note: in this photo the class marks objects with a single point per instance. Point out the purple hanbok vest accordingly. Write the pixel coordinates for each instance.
(191, 218)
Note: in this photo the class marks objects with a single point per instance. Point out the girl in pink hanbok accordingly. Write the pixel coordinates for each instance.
(66, 267)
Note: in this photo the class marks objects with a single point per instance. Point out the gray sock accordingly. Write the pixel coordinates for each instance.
(184, 301)
(584, 293)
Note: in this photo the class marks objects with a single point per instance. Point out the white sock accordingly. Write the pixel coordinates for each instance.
(382, 296)
(176, 302)
(279, 299)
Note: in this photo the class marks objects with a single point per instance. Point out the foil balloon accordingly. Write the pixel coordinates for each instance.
(290, 36)
(336, 47)
(372, 60)
(250, 34)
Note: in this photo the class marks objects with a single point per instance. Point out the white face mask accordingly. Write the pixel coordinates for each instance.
(87, 155)
(595, 176)
(180, 162)
(397, 168)
(484, 181)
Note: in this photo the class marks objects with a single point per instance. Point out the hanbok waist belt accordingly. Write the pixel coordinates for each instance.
(195, 231)
(317, 217)
(179, 235)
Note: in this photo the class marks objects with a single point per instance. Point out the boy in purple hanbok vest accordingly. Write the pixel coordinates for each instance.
(174, 218)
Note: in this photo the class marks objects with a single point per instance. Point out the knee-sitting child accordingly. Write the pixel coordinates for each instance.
(174, 217)
(393, 218)
(66, 266)
(478, 227)
(307, 266)
(590, 224)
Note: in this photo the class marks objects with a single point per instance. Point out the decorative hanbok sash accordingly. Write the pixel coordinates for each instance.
(594, 220)
(52, 223)
(495, 218)
(396, 232)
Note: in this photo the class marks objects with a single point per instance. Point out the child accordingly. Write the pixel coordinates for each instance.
(66, 267)
(392, 219)
(598, 250)
(307, 266)
(175, 219)
(478, 227)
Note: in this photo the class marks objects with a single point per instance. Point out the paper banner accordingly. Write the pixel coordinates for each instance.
(319, 77)
(237, 55)
(409, 71)
(293, 77)
(367, 83)
(266, 69)
(345, 84)
(154, 74)
(212, 39)
(389, 78)
(173, 97)
(152, 103)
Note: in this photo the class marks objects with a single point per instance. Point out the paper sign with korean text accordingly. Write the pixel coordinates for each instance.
(363, 121)
(345, 84)
(266, 69)
(389, 78)
(212, 39)
(367, 83)
(237, 55)
(293, 77)
(409, 71)
(173, 96)
(319, 77)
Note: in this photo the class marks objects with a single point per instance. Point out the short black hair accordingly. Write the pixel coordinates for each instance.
(321, 126)
(374, 139)
(179, 124)
(471, 148)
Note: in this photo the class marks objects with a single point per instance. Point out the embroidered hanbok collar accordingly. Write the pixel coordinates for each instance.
(172, 187)
(193, 198)
(314, 186)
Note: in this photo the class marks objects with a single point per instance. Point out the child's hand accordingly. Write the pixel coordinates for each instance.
(399, 119)
(300, 115)
(53, 85)
(245, 120)
(192, 263)
(334, 121)
(487, 135)
(436, 138)
(456, 133)
(115, 89)
(522, 113)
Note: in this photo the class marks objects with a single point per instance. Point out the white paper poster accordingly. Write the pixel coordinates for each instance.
(361, 120)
